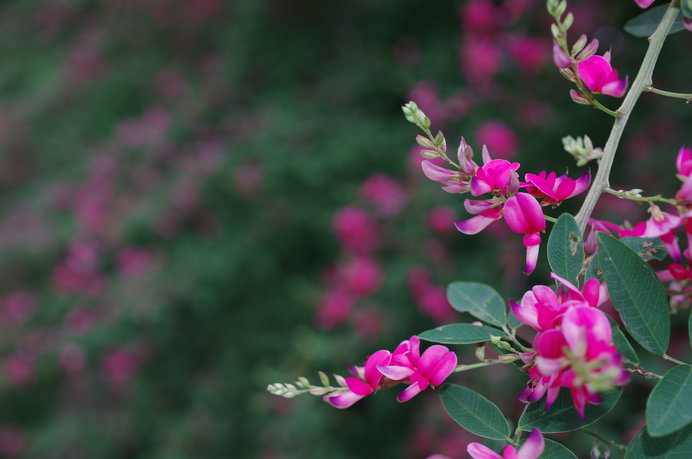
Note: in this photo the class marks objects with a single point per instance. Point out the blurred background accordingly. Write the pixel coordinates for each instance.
(202, 197)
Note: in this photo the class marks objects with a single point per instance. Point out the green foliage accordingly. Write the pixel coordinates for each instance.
(645, 24)
(555, 450)
(566, 248)
(673, 446)
(669, 406)
(474, 412)
(460, 334)
(622, 343)
(636, 292)
(479, 300)
(562, 416)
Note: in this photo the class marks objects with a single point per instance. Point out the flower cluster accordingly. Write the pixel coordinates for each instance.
(385, 369)
(499, 179)
(574, 344)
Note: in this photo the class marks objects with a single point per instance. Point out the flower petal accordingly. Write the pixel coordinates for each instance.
(478, 451)
(533, 446)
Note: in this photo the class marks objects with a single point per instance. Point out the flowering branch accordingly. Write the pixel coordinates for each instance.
(640, 84)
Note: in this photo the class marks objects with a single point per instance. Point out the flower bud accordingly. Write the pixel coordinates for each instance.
(578, 98)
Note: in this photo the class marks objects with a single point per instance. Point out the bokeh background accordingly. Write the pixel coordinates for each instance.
(201, 197)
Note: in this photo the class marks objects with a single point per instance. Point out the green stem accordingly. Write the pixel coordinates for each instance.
(550, 219)
(643, 372)
(624, 195)
(641, 82)
(473, 366)
(603, 439)
(674, 360)
(604, 109)
(677, 95)
(439, 150)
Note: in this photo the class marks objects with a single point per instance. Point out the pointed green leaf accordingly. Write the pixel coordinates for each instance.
(512, 321)
(479, 300)
(554, 450)
(622, 343)
(474, 412)
(645, 24)
(562, 416)
(566, 248)
(674, 446)
(686, 7)
(460, 334)
(669, 406)
(636, 292)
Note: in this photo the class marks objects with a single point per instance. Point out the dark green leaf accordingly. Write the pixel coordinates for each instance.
(512, 321)
(479, 300)
(593, 271)
(566, 248)
(645, 24)
(636, 292)
(554, 450)
(460, 334)
(689, 329)
(674, 446)
(562, 416)
(669, 406)
(646, 247)
(622, 343)
(686, 7)
(474, 412)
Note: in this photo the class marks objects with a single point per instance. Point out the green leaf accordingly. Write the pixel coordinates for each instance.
(636, 292)
(686, 7)
(479, 300)
(622, 343)
(669, 406)
(474, 412)
(512, 321)
(554, 450)
(566, 248)
(674, 446)
(645, 24)
(689, 329)
(562, 416)
(646, 247)
(460, 334)
(593, 271)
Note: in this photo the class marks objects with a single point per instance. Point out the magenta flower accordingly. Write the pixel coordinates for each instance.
(496, 175)
(555, 189)
(644, 3)
(531, 449)
(524, 215)
(366, 381)
(683, 162)
(600, 77)
(429, 369)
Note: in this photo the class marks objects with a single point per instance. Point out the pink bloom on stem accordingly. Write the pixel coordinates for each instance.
(524, 215)
(644, 3)
(555, 189)
(451, 181)
(560, 58)
(429, 369)
(531, 449)
(367, 381)
(499, 138)
(496, 175)
(683, 162)
(598, 75)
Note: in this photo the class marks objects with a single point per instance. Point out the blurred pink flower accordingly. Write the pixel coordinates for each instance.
(499, 139)
(149, 130)
(119, 365)
(72, 358)
(441, 220)
(384, 193)
(529, 53)
(12, 440)
(18, 307)
(356, 230)
(132, 262)
(480, 60)
(334, 308)
(361, 276)
(20, 368)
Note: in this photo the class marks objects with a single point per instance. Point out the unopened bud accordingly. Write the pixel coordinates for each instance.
(578, 98)
(579, 44)
(303, 382)
(507, 357)
(340, 380)
(480, 351)
(324, 379)
(496, 340)
(589, 50)
(429, 154)
(424, 142)
(567, 23)
(555, 31)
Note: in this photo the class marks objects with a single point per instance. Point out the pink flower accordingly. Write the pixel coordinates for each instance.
(524, 215)
(384, 193)
(531, 449)
(429, 369)
(555, 189)
(496, 175)
(366, 382)
(600, 77)
(362, 276)
(683, 162)
(499, 139)
(356, 230)
(644, 3)
(560, 58)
